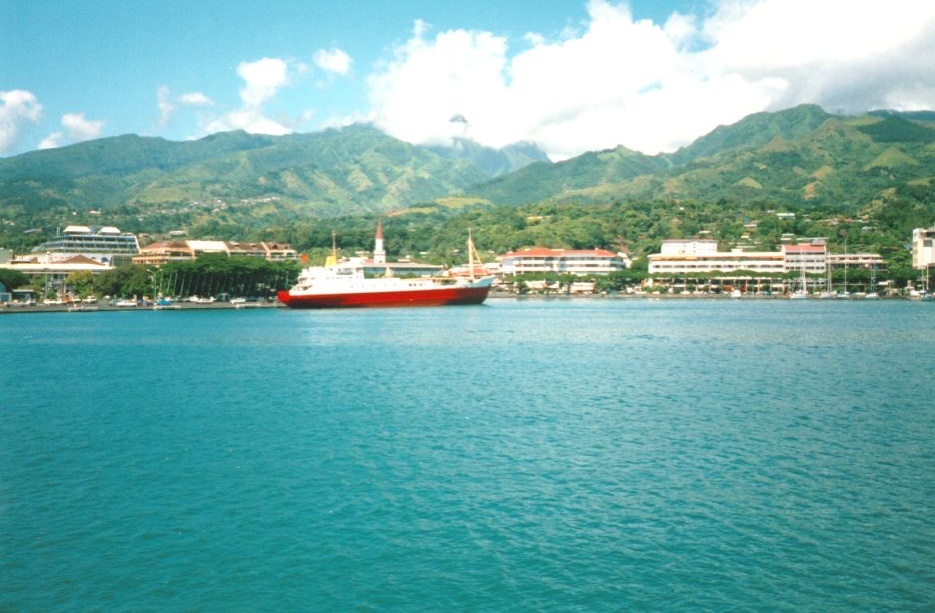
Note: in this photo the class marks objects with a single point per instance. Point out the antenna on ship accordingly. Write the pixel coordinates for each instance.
(332, 260)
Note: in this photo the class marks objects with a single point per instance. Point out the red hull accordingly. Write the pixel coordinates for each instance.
(403, 298)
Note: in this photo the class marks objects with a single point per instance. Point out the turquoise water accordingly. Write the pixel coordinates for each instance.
(558, 455)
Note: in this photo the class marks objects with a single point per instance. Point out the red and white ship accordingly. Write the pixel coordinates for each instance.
(344, 284)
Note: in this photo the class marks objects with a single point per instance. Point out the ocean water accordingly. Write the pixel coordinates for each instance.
(523, 455)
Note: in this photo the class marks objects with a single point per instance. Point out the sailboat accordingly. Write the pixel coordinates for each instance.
(872, 294)
(828, 291)
(844, 294)
(925, 295)
(344, 284)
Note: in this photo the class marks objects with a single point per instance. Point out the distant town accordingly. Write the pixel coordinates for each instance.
(800, 267)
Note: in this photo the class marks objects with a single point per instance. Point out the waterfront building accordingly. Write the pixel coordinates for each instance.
(869, 261)
(51, 272)
(813, 257)
(160, 252)
(106, 245)
(923, 248)
(726, 262)
(570, 261)
(684, 256)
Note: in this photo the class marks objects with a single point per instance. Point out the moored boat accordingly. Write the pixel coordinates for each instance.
(344, 284)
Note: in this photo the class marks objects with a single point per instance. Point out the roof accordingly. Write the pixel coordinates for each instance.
(160, 245)
(557, 253)
(803, 248)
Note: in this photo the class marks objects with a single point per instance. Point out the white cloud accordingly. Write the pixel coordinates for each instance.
(248, 120)
(655, 87)
(77, 128)
(168, 106)
(52, 141)
(262, 79)
(80, 128)
(333, 61)
(17, 109)
(195, 99)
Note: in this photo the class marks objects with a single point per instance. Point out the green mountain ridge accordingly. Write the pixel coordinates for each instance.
(328, 172)
(798, 157)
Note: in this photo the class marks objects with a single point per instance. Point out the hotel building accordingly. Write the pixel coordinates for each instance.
(571, 261)
(684, 256)
(106, 245)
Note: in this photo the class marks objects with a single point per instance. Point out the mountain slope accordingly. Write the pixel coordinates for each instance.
(798, 157)
(336, 171)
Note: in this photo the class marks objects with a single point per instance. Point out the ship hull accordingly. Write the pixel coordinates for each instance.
(436, 296)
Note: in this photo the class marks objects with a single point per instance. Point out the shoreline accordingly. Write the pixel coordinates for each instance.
(94, 308)
(8, 309)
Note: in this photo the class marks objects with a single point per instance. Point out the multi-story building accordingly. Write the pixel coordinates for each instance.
(813, 257)
(570, 261)
(160, 252)
(685, 256)
(870, 261)
(923, 248)
(106, 245)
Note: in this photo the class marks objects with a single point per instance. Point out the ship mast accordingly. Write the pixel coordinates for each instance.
(332, 260)
(471, 252)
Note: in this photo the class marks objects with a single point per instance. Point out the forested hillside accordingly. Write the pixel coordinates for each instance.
(868, 178)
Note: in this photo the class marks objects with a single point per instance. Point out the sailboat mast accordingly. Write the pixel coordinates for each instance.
(470, 247)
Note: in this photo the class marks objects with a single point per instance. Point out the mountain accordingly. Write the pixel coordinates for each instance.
(798, 157)
(494, 162)
(543, 181)
(355, 169)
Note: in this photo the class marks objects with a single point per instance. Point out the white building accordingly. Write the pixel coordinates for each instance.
(813, 257)
(685, 256)
(689, 246)
(106, 245)
(571, 261)
(923, 248)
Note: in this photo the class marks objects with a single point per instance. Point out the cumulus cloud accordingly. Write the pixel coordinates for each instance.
(168, 105)
(655, 87)
(52, 141)
(262, 80)
(18, 108)
(77, 128)
(80, 128)
(195, 99)
(333, 61)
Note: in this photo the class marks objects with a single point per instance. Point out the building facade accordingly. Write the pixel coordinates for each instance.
(923, 248)
(107, 245)
(685, 256)
(570, 261)
(160, 252)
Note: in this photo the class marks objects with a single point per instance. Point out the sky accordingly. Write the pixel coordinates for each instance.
(568, 75)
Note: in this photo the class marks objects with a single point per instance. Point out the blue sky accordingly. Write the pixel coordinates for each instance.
(570, 75)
